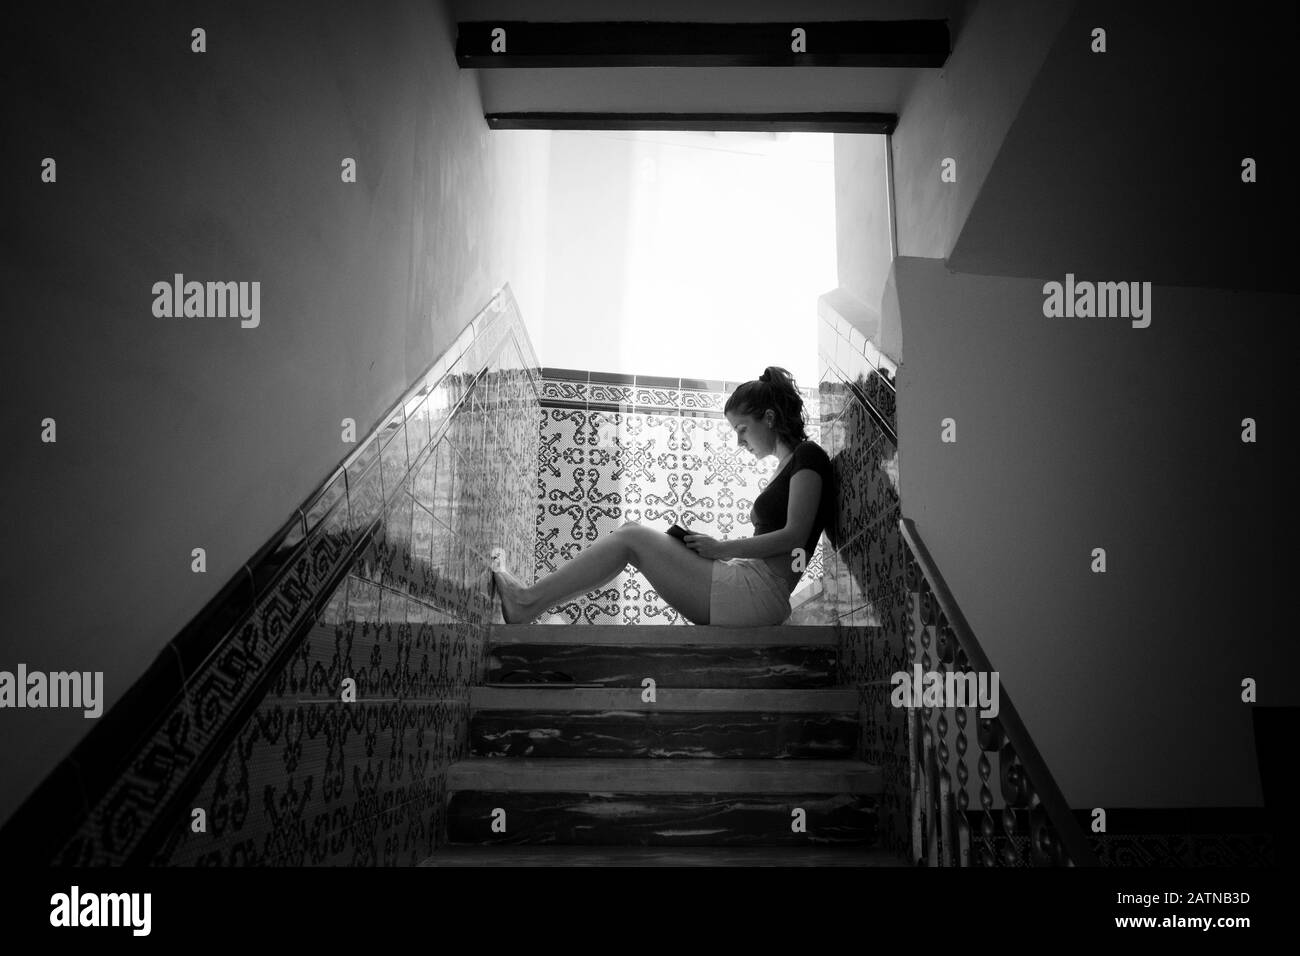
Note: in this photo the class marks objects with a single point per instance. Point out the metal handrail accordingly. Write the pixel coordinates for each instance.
(1053, 801)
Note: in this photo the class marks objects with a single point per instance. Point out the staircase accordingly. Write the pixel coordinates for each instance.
(745, 756)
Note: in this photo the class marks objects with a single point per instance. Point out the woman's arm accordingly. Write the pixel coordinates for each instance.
(805, 495)
(759, 546)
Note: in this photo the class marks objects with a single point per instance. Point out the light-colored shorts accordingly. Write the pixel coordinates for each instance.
(747, 593)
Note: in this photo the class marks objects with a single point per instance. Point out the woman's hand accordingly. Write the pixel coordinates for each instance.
(703, 545)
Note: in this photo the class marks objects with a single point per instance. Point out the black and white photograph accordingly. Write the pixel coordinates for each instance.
(821, 441)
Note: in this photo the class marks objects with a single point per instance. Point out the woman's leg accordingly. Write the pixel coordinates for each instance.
(592, 568)
(678, 574)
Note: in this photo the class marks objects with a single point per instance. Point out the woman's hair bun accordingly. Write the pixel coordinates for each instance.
(775, 389)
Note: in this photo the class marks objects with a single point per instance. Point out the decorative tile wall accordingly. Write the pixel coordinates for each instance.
(658, 451)
(379, 586)
(864, 591)
(1168, 838)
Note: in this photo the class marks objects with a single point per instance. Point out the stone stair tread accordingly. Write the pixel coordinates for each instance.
(665, 775)
(563, 855)
(543, 685)
(574, 699)
(798, 635)
(703, 666)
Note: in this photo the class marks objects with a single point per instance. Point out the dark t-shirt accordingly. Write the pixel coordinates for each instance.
(771, 507)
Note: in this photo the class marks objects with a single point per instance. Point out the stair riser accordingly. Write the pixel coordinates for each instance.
(667, 734)
(682, 666)
(658, 635)
(661, 819)
(555, 854)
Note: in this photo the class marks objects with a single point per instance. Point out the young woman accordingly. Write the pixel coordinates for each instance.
(744, 582)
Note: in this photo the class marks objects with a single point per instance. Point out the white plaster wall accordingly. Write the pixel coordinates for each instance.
(1080, 433)
(963, 112)
(862, 237)
(1128, 163)
(183, 433)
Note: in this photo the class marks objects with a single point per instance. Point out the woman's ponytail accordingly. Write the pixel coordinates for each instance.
(774, 389)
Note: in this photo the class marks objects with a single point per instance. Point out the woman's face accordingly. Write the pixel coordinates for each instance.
(752, 434)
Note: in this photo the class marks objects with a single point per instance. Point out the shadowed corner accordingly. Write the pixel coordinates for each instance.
(1275, 732)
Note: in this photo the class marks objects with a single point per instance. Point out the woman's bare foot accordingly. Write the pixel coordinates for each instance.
(514, 609)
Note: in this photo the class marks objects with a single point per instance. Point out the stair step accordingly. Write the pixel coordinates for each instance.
(666, 734)
(560, 855)
(661, 818)
(723, 767)
(660, 635)
(691, 665)
(649, 775)
(529, 697)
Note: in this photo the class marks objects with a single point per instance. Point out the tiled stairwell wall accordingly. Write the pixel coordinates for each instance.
(257, 734)
(324, 783)
(865, 592)
(642, 448)
(875, 595)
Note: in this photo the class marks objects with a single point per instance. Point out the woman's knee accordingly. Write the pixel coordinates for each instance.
(650, 543)
(632, 532)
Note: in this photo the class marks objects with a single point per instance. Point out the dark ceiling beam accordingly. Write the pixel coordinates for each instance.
(857, 43)
(879, 123)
